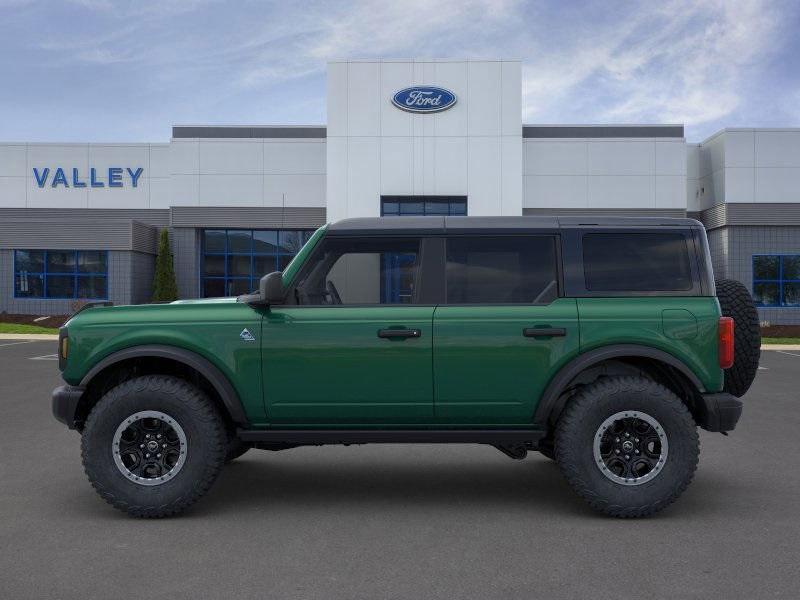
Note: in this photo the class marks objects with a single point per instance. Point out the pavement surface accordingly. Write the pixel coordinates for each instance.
(417, 522)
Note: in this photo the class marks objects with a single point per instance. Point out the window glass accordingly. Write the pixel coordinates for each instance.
(765, 267)
(69, 274)
(213, 288)
(60, 261)
(239, 266)
(776, 280)
(214, 265)
(265, 242)
(423, 205)
(361, 272)
(290, 242)
(263, 265)
(214, 240)
(636, 262)
(501, 270)
(239, 241)
(92, 261)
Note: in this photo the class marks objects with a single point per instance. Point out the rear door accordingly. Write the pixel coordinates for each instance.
(503, 331)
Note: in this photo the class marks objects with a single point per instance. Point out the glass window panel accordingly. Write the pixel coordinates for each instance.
(265, 242)
(214, 265)
(60, 286)
(236, 287)
(29, 260)
(766, 294)
(283, 262)
(307, 235)
(501, 270)
(28, 286)
(437, 208)
(362, 271)
(765, 267)
(213, 288)
(239, 241)
(458, 208)
(263, 265)
(412, 208)
(791, 294)
(92, 286)
(214, 240)
(92, 261)
(60, 261)
(390, 208)
(636, 262)
(238, 265)
(290, 242)
(791, 267)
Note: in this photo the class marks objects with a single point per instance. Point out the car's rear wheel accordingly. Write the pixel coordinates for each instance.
(736, 302)
(153, 445)
(627, 445)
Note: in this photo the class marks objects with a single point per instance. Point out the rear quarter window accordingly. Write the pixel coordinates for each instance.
(636, 262)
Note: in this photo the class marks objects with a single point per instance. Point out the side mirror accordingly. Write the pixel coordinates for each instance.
(270, 291)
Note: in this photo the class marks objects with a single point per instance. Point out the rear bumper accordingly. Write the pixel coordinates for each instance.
(65, 402)
(720, 412)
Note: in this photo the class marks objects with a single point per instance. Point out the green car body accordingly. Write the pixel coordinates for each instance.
(324, 367)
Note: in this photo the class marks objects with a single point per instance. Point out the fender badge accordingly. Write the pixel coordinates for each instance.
(247, 336)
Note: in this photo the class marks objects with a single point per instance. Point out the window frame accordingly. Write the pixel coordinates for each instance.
(424, 256)
(252, 278)
(780, 281)
(442, 199)
(557, 255)
(574, 274)
(75, 274)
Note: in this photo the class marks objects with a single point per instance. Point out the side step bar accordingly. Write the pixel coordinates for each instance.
(392, 436)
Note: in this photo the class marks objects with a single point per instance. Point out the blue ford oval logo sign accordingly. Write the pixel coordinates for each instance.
(424, 99)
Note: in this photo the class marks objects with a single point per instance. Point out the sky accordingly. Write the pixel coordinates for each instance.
(126, 71)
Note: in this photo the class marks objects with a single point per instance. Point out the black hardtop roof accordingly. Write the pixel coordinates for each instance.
(434, 225)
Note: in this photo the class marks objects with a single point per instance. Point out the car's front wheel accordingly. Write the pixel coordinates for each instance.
(627, 445)
(153, 445)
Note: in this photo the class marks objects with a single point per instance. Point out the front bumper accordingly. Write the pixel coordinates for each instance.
(66, 399)
(719, 412)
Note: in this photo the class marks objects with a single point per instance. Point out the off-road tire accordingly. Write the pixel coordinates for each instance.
(206, 443)
(736, 302)
(580, 422)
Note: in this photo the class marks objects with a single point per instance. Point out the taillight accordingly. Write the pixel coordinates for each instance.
(725, 342)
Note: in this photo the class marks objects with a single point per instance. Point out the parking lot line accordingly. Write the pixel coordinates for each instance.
(789, 353)
(16, 343)
(45, 357)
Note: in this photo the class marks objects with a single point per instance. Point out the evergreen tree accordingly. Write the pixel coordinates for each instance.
(165, 288)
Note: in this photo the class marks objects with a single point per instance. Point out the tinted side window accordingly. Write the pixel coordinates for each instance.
(501, 270)
(636, 262)
(359, 271)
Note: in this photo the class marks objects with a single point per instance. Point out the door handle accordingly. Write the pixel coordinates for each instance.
(544, 332)
(391, 334)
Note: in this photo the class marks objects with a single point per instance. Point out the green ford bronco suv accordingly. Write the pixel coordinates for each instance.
(601, 343)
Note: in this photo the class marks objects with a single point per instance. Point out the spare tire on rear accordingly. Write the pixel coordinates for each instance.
(736, 302)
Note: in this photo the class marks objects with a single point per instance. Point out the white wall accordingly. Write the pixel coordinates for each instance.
(596, 173)
(749, 165)
(19, 188)
(208, 172)
(472, 149)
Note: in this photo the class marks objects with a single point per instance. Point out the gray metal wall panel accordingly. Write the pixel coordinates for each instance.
(256, 217)
(779, 214)
(144, 238)
(313, 132)
(602, 131)
(186, 257)
(72, 234)
(607, 212)
(151, 216)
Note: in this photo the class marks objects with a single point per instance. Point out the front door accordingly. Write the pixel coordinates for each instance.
(356, 348)
(503, 331)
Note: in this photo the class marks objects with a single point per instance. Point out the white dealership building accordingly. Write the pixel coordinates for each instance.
(80, 221)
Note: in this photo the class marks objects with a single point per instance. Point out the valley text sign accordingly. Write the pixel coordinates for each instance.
(424, 99)
(113, 177)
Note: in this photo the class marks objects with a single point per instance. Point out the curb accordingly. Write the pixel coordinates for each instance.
(29, 336)
(793, 347)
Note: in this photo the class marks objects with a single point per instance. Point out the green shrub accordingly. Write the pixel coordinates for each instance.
(165, 287)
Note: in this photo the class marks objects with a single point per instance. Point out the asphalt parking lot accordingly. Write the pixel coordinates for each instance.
(417, 522)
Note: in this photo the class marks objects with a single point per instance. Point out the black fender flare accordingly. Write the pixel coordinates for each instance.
(549, 399)
(206, 368)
